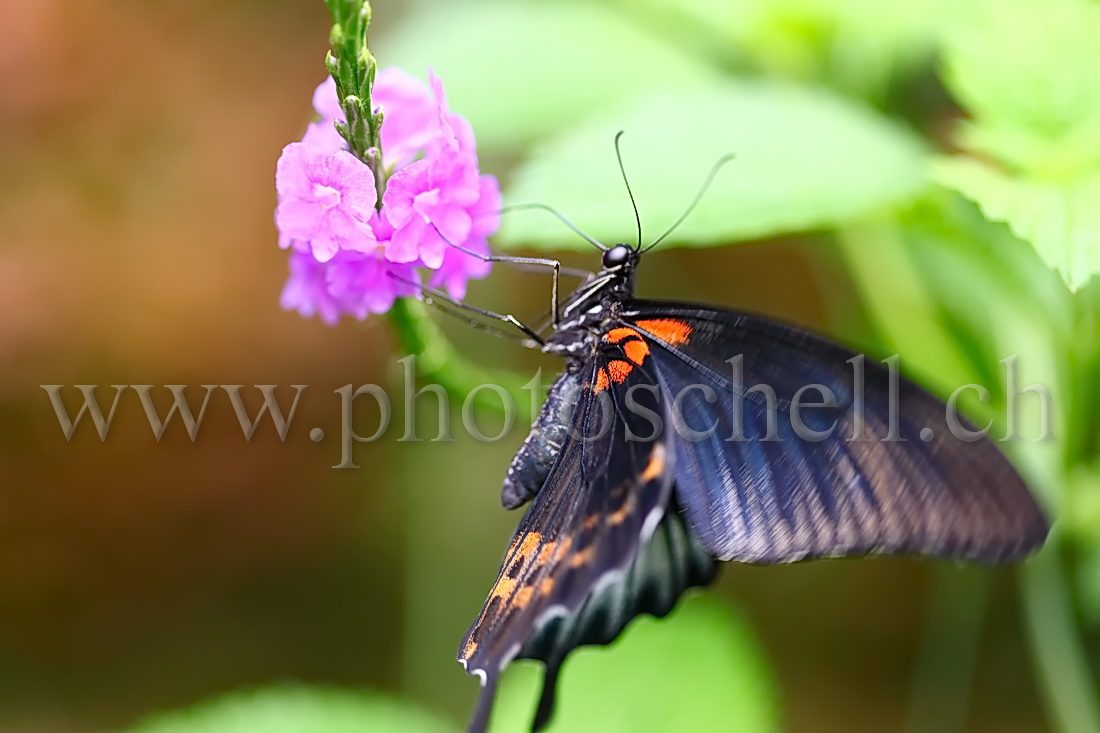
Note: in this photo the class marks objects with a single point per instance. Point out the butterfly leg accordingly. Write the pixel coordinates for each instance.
(533, 341)
(553, 264)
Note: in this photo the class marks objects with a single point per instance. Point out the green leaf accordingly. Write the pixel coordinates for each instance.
(517, 71)
(1061, 221)
(1029, 74)
(859, 46)
(805, 159)
(292, 709)
(697, 670)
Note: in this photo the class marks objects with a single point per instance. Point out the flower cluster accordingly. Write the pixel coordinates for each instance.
(347, 255)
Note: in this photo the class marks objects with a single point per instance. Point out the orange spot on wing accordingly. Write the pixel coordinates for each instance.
(522, 549)
(469, 649)
(670, 330)
(619, 370)
(546, 586)
(602, 381)
(656, 465)
(616, 335)
(619, 515)
(504, 588)
(530, 542)
(581, 558)
(636, 351)
(523, 596)
(545, 554)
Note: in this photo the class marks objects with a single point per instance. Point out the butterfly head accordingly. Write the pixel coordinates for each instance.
(621, 257)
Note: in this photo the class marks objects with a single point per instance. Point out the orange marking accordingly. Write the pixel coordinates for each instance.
(581, 558)
(504, 588)
(523, 596)
(522, 549)
(563, 548)
(530, 542)
(670, 330)
(602, 381)
(591, 521)
(546, 586)
(545, 554)
(616, 335)
(636, 351)
(619, 370)
(656, 465)
(470, 648)
(619, 515)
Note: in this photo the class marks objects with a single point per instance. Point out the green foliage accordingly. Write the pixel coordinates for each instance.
(699, 669)
(294, 709)
(519, 71)
(805, 159)
(1029, 74)
(858, 46)
(1061, 220)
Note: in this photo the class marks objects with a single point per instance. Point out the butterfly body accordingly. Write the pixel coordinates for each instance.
(672, 439)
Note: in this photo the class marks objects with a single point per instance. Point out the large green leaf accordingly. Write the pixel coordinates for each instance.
(859, 46)
(1029, 74)
(292, 709)
(519, 70)
(698, 670)
(806, 159)
(1061, 220)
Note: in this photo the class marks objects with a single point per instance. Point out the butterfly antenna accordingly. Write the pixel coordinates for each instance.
(560, 217)
(622, 169)
(695, 201)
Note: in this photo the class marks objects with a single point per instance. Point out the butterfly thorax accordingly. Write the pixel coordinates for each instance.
(589, 310)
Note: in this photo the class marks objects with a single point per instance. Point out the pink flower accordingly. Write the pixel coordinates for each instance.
(364, 285)
(457, 266)
(326, 201)
(306, 291)
(348, 283)
(322, 133)
(410, 117)
(348, 257)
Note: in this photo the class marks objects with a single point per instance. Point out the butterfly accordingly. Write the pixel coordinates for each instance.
(680, 435)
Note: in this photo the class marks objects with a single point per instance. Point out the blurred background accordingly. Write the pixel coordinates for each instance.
(884, 193)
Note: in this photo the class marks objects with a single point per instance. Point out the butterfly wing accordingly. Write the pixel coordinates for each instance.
(595, 547)
(786, 497)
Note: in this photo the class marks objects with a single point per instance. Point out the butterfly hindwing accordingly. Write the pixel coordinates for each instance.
(575, 572)
(786, 497)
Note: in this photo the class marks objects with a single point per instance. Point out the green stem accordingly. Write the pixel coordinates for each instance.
(1063, 670)
(437, 360)
(944, 677)
(353, 68)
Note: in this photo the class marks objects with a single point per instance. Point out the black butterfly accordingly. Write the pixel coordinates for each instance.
(637, 488)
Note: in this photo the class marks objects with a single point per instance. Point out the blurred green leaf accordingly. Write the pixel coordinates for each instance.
(1062, 221)
(519, 70)
(859, 46)
(805, 159)
(293, 709)
(698, 670)
(1029, 74)
(1082, 515)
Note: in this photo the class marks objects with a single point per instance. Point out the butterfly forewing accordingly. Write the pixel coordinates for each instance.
(759, 488)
